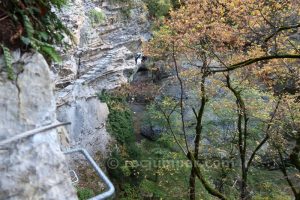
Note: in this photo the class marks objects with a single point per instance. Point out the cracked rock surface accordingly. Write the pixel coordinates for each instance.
(33, 167)
(101, 59)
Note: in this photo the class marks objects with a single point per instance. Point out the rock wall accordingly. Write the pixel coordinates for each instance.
(101, 59)
(33, 167)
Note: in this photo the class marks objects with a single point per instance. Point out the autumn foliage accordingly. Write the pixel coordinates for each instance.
(238, 44)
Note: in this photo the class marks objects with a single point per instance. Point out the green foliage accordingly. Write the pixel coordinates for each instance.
(159, 8)
(58, 3)
(278, 197)
(140, 181)
(268, 185)
(156, 8)
(119, 118)
(34, 24)
(120, 125)
(170, 180)
(218, 128)
(84, 193)
(153, 116)
(151, 188)
(176, 4)
(126, 6)
(96, 16)
(167, 176)
(122, 1)
(8, 62)
(130, 193)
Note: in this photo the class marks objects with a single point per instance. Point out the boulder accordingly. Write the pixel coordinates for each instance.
(152, 132)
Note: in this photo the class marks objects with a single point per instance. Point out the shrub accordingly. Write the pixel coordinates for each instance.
(158, 8)
(120, 121)
(125, 7)
(151, 188)
(96, 16)
(120, 125)
(84, 193)
(31, 24)
(176, 4)
(130, 193)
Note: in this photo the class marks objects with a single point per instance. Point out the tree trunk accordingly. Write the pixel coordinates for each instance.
(242, 123)
(198, 134)
(244, 192)
(294, 156)
(192, 185)
(297, 196)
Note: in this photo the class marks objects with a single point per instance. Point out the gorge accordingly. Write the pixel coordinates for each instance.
(191, 99)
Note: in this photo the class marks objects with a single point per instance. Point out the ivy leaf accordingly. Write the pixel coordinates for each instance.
(28, 26)
(8, 62)
(43, 36)
(25, 40)
(51, 52)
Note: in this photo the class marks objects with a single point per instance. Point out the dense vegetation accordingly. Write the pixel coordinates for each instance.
(234, 51)
(158, 169)
(233, 132)
(236, 65)
(31, 24)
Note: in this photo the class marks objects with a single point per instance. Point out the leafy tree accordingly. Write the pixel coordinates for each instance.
(248, 40)
(159, 8)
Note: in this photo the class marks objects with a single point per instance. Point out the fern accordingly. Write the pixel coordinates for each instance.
(28, 26)
(29, 40)
(43, 29)
(38, 45)
(47, 49)
(8, 62)
(50, 51)
(59, 3)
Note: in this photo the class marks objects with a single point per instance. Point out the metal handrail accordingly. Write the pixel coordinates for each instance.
(104, 195)
(32, 132)
(111, 189)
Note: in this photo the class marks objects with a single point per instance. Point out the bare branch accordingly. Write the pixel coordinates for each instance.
(283, 169)
(255, 60)
(181, 96)
(281, 29)
(267, 136)
(167, 117)
(206, 184)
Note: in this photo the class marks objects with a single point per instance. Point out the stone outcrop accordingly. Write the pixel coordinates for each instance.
(103, 49)
(88, 116)
(101, 59)
(33, 167)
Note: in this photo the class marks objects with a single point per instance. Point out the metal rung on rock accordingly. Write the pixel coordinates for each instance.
(111, 189)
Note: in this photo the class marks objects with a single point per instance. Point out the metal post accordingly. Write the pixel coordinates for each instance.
(111, 189)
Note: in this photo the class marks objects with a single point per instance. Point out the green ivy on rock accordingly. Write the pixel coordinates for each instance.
(31, 24)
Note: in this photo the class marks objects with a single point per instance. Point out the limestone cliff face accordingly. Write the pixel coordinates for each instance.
(102, 58)
(33, 167)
